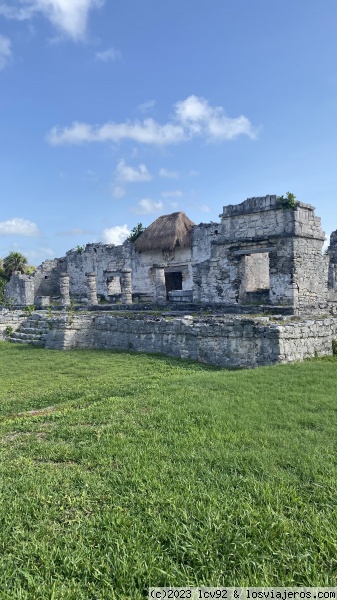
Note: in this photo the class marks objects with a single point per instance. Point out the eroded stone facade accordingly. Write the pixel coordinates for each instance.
(260, 253)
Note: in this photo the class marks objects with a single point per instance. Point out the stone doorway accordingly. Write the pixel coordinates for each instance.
(173, 281)
(255, 285)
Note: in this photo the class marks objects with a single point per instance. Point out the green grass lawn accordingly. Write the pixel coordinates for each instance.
(120, 471)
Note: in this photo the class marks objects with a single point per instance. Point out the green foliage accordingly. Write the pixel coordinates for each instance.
(80, 249)
(14, 261)
(29, 309)
(334, 347)
(288, 202)
(3, 281)
(9, 330)
(9, 302)
(71, 311)
(136, 469)
(136, 232)
(30, 270)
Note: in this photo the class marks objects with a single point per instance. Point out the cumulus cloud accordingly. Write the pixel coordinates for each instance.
(193, 117)
(204, 208)
(128, 174)
(19, 226)
(69, 16)
(5, 51)
(109, 55)
(116, 235)
(169, 174)
(199, 118)
(147, 206)
(145, 132)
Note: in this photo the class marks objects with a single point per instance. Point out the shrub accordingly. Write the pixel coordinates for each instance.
(287, 202)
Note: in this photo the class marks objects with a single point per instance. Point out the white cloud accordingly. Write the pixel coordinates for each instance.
(130, 175)
(5, 51)
(147, 206)
(199, 118)
(326, 243)
(19, 226)
(146, 106)
(172, 194)
(146, 132)
(111, 54)
(116, 235)
(69, 16)
(118, 192)
(193, 117)
(174, 204)
(169, 174)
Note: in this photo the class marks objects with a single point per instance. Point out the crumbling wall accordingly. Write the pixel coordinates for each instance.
(10, 321)
(292, 239)
(47, 277)
(227, 342)
(93, 258)
(20, 289)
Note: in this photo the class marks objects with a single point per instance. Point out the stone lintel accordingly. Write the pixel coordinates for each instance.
(255, 250)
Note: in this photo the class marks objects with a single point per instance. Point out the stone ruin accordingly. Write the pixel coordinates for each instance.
(243, 280)
(260, 254)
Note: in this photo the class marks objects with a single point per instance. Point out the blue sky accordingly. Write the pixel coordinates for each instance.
(115, 112)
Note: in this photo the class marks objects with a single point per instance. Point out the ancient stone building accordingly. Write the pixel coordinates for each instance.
(261, 252)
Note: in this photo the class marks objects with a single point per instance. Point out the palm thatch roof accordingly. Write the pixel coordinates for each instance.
(165, 233)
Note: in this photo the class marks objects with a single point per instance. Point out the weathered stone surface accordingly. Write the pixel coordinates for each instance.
(260, 253)
(225, 342)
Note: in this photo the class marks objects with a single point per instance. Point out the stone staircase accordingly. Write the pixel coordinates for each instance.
(33, 331)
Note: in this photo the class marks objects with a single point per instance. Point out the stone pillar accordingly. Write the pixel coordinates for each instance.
(91, 288)
(160, 287)
(126, 286)
(64, 289)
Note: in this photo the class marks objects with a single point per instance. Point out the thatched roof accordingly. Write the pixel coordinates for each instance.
(166, 233)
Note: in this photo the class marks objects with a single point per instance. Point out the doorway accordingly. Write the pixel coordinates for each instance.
(173, 281)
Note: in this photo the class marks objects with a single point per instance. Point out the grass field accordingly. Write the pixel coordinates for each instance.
(120, 471)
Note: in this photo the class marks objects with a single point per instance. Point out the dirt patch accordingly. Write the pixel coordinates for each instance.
(36, 412)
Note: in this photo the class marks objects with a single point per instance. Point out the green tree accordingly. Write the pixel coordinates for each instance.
(14, 261)
(136, 232)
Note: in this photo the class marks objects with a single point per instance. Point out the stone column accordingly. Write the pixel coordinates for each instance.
(64, 289)
(126, 286)
(160, 287)
(91, 288)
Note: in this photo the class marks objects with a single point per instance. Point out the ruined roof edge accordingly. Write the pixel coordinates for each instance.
(258, 204)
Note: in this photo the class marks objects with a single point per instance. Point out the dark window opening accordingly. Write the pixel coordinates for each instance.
(173, 281)
(46, 276)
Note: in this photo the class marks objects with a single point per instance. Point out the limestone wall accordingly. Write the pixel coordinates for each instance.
(226, 342)
(20, 289)
(11, 320)
(47, 277)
